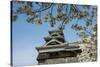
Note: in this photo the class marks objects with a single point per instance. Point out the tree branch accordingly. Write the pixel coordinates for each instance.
(43, 9)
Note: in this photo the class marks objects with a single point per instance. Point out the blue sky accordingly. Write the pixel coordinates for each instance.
(27, 36)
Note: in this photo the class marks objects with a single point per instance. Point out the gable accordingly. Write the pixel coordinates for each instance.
(53, 42)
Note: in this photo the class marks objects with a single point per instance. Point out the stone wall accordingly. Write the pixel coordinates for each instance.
(61, 60)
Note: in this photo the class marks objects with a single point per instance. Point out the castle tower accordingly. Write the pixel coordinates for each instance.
(56, 50)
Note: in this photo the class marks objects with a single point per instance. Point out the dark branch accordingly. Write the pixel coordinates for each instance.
(43, 9)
